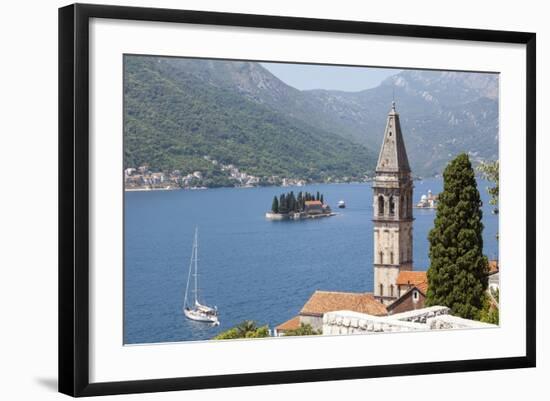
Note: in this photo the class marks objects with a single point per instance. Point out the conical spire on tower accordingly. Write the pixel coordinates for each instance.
(393, 156)
(392, 191)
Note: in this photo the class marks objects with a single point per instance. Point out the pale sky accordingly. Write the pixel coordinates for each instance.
(350, 79)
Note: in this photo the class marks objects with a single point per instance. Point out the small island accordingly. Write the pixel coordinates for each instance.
(303, 206)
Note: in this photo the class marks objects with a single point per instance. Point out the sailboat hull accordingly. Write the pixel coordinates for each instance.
(199, 316)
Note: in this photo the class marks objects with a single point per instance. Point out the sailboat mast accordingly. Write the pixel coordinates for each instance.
(196, 257)
(189, 275)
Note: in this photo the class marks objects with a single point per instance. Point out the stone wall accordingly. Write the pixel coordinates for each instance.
(446, 322)
(422, 315)
(432, 318)
(348, 322)
(316, 322)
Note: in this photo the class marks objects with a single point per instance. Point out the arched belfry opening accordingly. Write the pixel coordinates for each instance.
(380, 205)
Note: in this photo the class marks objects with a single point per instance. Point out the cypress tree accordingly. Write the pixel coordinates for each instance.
(291, 202)
(282, 204)
(275, 205)
(322, 199)
(457, 275)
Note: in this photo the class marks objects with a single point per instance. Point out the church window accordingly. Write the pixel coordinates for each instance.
(415, 296)
(392, 206)
(381, 290)
(381, 256)
(391, 290)
(380, 205)
(391, 258)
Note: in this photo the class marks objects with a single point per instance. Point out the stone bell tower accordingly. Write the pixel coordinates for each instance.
(392, 217)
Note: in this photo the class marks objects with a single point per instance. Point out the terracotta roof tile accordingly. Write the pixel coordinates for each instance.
(313, 203)
(423, 287)
(330, 301)
(291, 324)
(493, 266)
(411, 278)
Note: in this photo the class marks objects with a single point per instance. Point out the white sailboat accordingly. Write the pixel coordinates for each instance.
(196, 311)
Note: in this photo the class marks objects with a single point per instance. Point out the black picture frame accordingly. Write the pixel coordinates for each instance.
(74, 198)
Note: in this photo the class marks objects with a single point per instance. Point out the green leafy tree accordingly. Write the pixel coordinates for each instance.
(245, 329)
(304, 330)
(490, 312)
(230, 334)
(457, 275)
(490, 171)
(275, 205)
(260, 332)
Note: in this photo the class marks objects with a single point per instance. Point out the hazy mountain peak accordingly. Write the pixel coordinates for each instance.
(447, 86)
(442, 112)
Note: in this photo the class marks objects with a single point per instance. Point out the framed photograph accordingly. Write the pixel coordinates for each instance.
(251, 199)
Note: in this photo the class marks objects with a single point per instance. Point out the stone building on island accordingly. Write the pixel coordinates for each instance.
(397, 302)
(313, 207)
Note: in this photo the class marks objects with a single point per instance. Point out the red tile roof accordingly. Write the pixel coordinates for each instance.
(322, 302)
(493, 266)
(423, 287)
(313, 203)
(291, 324)
(411, 278)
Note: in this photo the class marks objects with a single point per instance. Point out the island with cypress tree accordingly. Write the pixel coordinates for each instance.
(305, 205)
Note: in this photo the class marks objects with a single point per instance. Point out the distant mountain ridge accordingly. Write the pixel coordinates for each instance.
(442, 113)
(181, 113)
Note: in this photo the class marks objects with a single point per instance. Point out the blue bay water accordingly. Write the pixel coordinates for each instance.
(251, 268)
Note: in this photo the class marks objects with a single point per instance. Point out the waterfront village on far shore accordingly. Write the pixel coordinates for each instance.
(143, 178)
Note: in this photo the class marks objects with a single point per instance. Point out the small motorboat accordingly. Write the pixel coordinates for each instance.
(342, 204)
